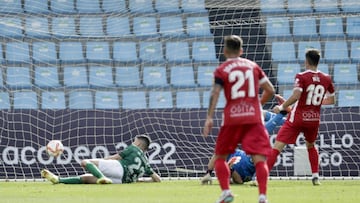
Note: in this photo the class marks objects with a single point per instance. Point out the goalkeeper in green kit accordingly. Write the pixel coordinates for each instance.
(125, 167)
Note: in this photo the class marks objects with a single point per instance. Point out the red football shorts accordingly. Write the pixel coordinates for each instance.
(254, 139)
(289, 132)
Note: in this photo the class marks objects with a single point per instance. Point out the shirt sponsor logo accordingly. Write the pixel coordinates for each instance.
(242, 109)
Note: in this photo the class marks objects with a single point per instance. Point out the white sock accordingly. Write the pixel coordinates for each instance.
(262, 197)
(315, 175)
(226, 191)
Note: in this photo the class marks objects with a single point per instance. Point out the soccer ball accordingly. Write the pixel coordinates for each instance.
(54, 148)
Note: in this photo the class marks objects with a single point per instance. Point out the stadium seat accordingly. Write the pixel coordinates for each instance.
(125, 52)
(4, 100)
(305, 28)
(160, 99)
(134, 100)
(44, 52)
(323, 67)
(151, 52)
(349, 98)
(18, 77)
(331, 27)
(182, 76)
(11, 7)
(193, 6)
(287, 93)
(47, 77)
(114, 6)
(155, 76)
(91, 27)
(36, 6)
(118, 26)
(303, 46)
(81, 100)
(106, 100)
(145, 26)
(37, 27)
(326, 6)
(1, 79)
(204, 52)
(168, 6)
(11, 27)
(283, 52)
(205, 75)
(17, 52)
(101, 76)
(206, 98)
(141, 6)
(64, 27)
(278, 28)
(336, 52)
(75, 76)
(127, 76)
(178, 52)
(188, 99)
(355, 52)
(2, 59)
(87, 7)
(25, 100)
(296, 6)
(172, 27)
(272, 6)
(346, 74)
(198, 26)
(71, 52)
(63, 6)
(98, 52)
(353, 26)
(350, 6)
(286, 73)
(53, 100)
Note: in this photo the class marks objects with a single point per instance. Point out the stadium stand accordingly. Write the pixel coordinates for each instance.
(155, 76)
(86, 7)
(160, 99)
(81, 100)
(172, 27)
(4, 100)
(106, 99)
(101, 76)
(348, 98)
(53, 100)
(11, 7)
(182, 76)
(127, 76)
(188, 99)
(64, 27)
(125, 52)
(11, 27)
(63, 6)
(75, 77)
(25, 100)
(18, 77)
(295, 6)
(169, 6)
(47, 77)
(141, 6)
(44, 52)
(134, 100)
(114, 6)
(17, 53)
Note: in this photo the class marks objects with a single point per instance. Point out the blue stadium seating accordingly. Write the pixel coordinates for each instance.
(101, 76)
(98, 52)
(204, 52)
(11, 27)
(151, 52)
(206, 98)
(336, 52)
(172, 27)
(188, 99)
(355, 52)
(348, 98)
(75, 77)
(182, 76)
(47, 77)
(53, 100)
(44, 52)
(350, 6)
(327, 6)
(127, 76)
(346, 75)
(37, 27)
(4, 100)
(25, 100)
(323, 67)
(145, 26)
(91, 27)
(63, 6)
(114, 6)
(283, 51)
(305, 28)
(353, 26)
(178, 52)
(141, 6)
(18, 77)
(1, 79)
(193, 6)
(205, 75)
(64, 27)
(286, 73)
(331, 27)
(296, 6)
(118, 26)
(287, 93)
(81, 100)
(86, 6)
(160, 99)
(125, 52)
(155, 76)
(11, 7)
(272, 6)
(17, 52)
(2, 59)
(278, 28)
(168, 6)
(134, 100)
(71, 52)
(305, 45)
(36, 6)
(198, 26)
(106, 100)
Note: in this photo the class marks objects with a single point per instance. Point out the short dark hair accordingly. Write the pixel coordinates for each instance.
(233, 43)
(145, 139)
(312, 56)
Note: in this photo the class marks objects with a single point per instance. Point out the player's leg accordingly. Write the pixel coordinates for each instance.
(223, 176)
(83, 179)
(313, 154)
(49, 176)
(274, 121)
(262, 174)
(207, 178)
(91, 166)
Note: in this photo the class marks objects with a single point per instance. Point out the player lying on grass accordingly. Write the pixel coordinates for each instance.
(125, 167)
(241, 165)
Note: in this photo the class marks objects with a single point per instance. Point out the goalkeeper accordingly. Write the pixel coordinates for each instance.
(125, 167)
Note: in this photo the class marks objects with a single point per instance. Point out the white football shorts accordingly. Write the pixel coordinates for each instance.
(112, 169)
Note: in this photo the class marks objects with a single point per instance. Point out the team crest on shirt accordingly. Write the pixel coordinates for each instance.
(242, 109)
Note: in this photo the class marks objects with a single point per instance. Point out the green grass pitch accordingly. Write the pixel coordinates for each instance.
(176, 191)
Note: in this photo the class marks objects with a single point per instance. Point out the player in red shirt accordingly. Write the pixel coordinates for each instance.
(242, 116)
(312, 88)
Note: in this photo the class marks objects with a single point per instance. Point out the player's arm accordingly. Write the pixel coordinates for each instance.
(329, 99)
(268, 90)
(214, 96)
(236, 178)
(113, 157)
(155, 177)
(295, 96)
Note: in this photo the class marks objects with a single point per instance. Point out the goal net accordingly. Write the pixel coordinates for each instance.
(94, 74)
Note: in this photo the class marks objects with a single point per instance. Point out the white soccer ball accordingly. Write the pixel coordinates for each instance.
(55, 148)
